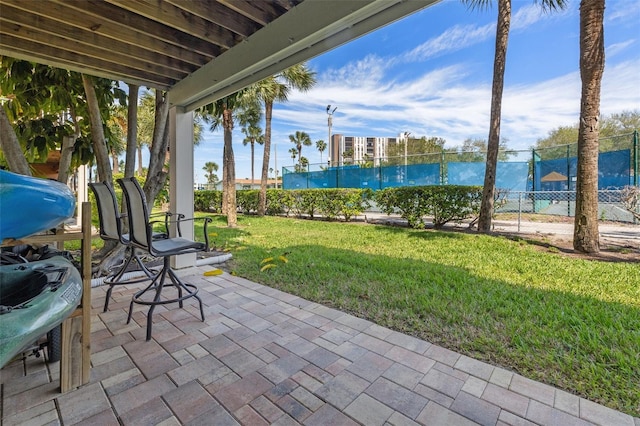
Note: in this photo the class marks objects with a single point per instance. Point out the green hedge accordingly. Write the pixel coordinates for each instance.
(444, 203)
(415, 203)
(207, 201)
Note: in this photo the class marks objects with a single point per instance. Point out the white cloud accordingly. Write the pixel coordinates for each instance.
(530, 14)
(453, 39)
(616, 48)
(622, 11)
(444, 103)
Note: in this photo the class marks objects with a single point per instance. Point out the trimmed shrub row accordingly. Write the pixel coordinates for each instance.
(442, 203)
(415, 203)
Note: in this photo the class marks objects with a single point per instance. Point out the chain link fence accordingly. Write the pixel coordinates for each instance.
(611, 204)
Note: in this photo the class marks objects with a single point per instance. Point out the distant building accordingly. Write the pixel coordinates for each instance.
(361, 148)
(240, 184)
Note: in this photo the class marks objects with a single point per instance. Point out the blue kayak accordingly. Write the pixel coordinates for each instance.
(35, 298)
(29, 205)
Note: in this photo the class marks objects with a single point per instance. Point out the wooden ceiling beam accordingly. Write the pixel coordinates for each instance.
(46, 31)
(219, 15)
(45, 54)
(117, 23)
(261, 12)
(96, 55)
(173, 17)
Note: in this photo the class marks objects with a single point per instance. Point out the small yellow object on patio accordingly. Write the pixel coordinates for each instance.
(213, 273)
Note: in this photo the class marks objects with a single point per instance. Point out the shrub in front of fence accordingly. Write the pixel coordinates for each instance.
(414, 203)
(279, 202)
(207, 201)
(247, 200)
(443, 203)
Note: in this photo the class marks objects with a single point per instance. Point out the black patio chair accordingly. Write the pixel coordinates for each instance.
(141, 236)
(112, 229)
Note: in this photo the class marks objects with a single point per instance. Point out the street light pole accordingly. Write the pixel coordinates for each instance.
(406, 144)
(329, 123)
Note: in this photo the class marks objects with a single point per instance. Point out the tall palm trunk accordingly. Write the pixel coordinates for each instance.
(157, 172)
(585, 232)
(97, 132)
(140, 160)
(253, 150)
(499, 62)
(262, 196)
(229, 164)
(132, 132)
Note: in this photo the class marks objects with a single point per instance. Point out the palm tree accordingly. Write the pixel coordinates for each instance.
(294, 154)
(249, 118)
(299, 139)
(303, 164)
(585, 231)
(499, 62)
(269, 90)
(223, 111)
(321, 146)
(210, 167)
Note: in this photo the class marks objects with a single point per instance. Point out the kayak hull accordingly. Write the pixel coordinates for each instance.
(35, 298)
(29, 205)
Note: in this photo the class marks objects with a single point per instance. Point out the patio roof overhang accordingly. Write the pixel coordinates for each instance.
(198, 50)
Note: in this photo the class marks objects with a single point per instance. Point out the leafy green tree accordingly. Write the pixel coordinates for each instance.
(586, 237)
(268, 91)
(41, 113)
(620, 123)
(499, 63)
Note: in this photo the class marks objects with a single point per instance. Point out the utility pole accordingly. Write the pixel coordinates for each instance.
(329, 123)
(275, 160)
(406, 144)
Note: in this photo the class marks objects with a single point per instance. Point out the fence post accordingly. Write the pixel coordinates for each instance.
(635, 158)
(568, 184)
(519, 209)
(533, 178)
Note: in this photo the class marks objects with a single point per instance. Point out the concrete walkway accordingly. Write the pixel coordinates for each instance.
(266, 357)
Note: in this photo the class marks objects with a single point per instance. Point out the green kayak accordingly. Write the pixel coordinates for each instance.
(35, 298)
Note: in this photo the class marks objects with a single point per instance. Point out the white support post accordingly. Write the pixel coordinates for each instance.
(82, 195)
(181, 176)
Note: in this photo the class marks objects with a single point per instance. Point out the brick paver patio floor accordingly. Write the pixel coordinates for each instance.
(266, 357)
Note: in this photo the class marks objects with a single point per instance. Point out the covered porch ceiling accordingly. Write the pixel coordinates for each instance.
(198, 50)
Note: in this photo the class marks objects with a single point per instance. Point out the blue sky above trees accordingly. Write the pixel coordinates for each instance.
(431, 73)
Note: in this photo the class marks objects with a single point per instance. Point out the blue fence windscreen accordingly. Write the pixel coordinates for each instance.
(509, 175)
(560, 174)
(614, 171)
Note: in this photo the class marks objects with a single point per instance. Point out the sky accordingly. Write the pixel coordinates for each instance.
(431, 73)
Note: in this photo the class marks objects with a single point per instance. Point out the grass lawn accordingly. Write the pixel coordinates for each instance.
(574, 324)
